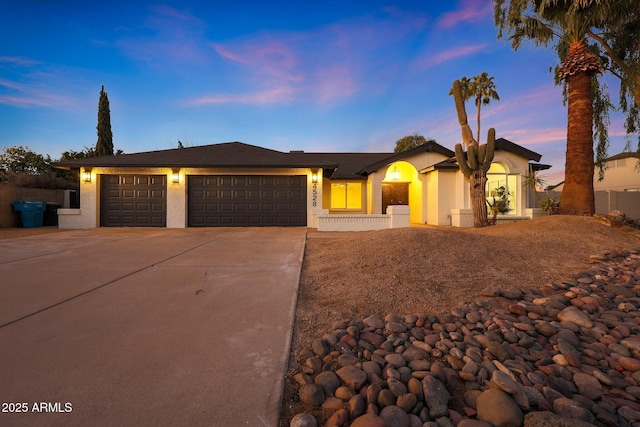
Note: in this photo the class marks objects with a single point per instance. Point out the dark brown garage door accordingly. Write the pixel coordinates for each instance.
(133, 200)
(244, 200)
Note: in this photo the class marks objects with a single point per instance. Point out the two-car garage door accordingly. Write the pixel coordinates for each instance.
(213, 200)
(247, 200)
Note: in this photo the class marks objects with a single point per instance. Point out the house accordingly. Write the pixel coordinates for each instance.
(620, 174)
(237, 184)
(620, 187)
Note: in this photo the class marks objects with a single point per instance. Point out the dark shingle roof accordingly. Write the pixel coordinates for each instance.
(228, 154)
(241, 155)
(505, 144)
(238, 154)
(430, 146)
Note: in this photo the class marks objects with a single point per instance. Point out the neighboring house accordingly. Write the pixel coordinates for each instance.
(620, 174)
(619, 189)
(236, 184)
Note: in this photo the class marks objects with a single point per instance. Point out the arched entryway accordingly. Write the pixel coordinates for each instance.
(402, 186)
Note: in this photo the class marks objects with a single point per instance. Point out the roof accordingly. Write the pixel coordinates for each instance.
(238, 154)
(349, 165)
(624, 155)
(228, 154)
(428, 147)
(505, 144)
(241, 155)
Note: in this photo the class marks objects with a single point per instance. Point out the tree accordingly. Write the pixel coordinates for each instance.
(480, 88)
(23, 167)
(104, 146)
(567, 25)
(617, 33)
(408, 142)
(21, 160)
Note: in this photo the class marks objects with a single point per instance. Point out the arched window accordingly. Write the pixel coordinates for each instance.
(501, 188)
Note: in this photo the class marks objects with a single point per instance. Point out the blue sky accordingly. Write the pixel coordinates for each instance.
(313, 76)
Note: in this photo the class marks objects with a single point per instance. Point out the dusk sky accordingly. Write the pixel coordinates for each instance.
(314, 76)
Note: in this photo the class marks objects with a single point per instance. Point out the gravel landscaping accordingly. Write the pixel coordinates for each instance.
(441, 326)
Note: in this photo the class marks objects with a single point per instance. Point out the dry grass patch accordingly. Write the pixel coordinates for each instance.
(434, 269)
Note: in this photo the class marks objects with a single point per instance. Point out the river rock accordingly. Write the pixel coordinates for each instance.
(575, 315)
(369, 420)
(352, 376)
(498, 408)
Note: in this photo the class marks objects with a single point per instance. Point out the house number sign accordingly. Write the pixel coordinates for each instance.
(314, 194)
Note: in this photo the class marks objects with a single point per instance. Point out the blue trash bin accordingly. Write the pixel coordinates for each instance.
(31, 213)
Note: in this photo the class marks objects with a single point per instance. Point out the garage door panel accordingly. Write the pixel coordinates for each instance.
(236, 201)
(133, 201)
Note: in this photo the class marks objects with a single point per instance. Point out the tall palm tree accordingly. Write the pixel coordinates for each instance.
(577, 70)
(481, 89)
(565, 23)
(484, 90)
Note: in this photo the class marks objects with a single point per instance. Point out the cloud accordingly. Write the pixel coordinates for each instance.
(27, 83)
(325, 65)
(441, 57)
(172, 38)
(273, 96)
(16, 60)
(469, 11)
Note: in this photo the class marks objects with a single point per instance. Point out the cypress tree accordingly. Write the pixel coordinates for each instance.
(104, 146)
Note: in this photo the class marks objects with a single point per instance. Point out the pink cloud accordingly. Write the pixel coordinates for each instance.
(272, 96)
(325, 65)
(470, 11)
(448, 55)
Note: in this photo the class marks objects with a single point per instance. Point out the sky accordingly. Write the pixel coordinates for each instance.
(330, 76)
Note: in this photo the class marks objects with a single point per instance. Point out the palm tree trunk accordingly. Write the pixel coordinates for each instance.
(577, 194)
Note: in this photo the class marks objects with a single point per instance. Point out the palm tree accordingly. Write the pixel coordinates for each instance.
(482, 89)
(577, 70)
(567, 24)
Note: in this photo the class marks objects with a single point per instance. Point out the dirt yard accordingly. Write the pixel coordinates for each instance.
(432, 270)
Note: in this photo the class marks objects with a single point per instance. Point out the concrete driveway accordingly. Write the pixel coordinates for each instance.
(141, 327)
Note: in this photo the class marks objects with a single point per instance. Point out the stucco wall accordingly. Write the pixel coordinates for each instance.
(620, 175)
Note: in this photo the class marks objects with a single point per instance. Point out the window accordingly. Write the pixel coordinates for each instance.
(346, 195)
(501, 185)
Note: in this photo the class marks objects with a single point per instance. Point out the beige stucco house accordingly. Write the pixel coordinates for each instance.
(620, 174)
(236, 184)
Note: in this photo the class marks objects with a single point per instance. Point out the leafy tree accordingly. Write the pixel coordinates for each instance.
(21, 160)
(104, 146)
(408, 142)
(566, 24)
(23, 167)
(481, 89)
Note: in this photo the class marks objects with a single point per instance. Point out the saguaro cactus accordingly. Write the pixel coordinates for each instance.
(475, 162)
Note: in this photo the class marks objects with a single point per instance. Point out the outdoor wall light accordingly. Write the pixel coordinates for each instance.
(314, 177)
(86, 175)
(395, 175)
(175, 175)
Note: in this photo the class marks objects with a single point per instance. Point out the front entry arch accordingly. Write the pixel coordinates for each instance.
(402, 186)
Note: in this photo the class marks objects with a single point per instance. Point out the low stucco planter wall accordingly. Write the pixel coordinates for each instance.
(396, 217)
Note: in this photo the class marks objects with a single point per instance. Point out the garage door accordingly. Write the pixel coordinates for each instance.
(133, 200)
(241, 200)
